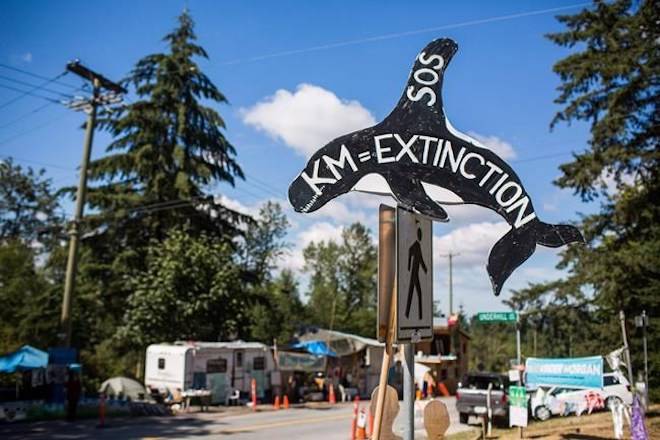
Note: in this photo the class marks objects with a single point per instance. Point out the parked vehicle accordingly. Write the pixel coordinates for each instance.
(472, 392)
(221, 367)
(546, 402)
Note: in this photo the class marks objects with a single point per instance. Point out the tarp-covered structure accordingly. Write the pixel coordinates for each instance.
(340, 343)
(24, 359)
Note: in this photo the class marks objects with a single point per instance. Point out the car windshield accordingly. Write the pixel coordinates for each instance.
(481, 382)
(558, 391)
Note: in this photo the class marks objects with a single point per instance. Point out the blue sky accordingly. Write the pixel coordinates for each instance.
(297, 74)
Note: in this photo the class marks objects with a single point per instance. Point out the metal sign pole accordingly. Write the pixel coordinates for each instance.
(409, 391)
(518, 361)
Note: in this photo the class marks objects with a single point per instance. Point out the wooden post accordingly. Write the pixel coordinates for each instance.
(387, 245)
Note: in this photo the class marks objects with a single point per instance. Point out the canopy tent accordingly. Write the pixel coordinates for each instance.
(24, 359)
(126, 387)
(341, 343)
(318, 348)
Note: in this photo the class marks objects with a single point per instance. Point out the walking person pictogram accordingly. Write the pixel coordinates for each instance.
(415, 260)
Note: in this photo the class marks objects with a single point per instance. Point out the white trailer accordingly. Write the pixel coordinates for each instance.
(220, 367)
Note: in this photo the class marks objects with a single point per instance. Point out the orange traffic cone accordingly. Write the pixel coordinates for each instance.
(443, 389)
(286, 402)
(253, 391)
(356, 407)
(277, 402)
(331, 394)
(370, 426)
(361, 431)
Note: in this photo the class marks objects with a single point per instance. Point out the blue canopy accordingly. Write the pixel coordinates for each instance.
(318, 348)
(23, 359)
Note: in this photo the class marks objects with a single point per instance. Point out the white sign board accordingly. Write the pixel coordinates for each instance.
(414, 255)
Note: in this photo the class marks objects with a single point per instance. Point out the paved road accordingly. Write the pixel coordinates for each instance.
(332, 423)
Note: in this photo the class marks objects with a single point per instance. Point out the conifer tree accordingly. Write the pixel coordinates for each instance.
(168, 148)
(612, 81)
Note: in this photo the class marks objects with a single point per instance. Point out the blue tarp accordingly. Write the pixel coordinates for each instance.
(23, 359)
(318, 348)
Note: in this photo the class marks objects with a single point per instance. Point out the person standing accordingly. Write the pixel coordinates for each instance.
(73, 391)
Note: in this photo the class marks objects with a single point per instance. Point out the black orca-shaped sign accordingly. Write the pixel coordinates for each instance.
(415, 144)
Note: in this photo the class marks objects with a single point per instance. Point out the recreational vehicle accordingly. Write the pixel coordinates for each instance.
(220, 367)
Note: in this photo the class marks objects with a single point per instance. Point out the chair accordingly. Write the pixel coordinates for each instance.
(233, 398)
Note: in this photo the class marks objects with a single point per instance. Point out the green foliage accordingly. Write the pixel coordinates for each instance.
(28, 206)
(153, 186)
(491, 347)
(611, 82)
(30, 306)
(280, 315)
(342, 291)
(263, 242)
(167, 149)
(191, 290)
(29, 226)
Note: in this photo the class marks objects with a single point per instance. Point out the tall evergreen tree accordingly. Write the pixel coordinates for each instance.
(612, 81)
(168, 148)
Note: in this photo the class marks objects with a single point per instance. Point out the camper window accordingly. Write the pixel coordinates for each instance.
(216, 365)
(239, 359)
(161, 363)
(259, 363)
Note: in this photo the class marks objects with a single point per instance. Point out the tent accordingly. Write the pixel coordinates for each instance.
(24, 359)
(123, 386)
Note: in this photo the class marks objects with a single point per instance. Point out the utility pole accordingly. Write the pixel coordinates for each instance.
(113, 96)
(451, 256)
(642, 321)
(626, 351)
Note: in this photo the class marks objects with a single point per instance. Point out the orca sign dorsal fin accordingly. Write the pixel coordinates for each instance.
(423, 91)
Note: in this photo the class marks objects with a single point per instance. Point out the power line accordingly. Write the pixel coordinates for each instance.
(403, 34)
(35, 87)
(24, 93)
(24, 115)
(260, 185)
(35, 75)
(34, 162)
(33, 129)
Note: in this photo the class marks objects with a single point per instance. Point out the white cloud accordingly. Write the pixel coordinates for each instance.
(499, 146)
(473, 242)
(320, 232)
(341, 213)
(317, 232)
(463, 215)
(307, 118)
(237, 206)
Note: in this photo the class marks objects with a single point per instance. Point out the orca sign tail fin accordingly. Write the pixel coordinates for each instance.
(514, 248)
(556, 235)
